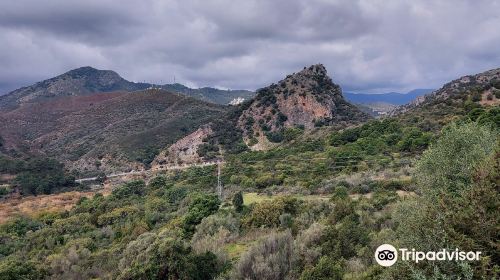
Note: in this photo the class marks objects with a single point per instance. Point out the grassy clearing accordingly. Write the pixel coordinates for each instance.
(249, 198)
(235, 250)
(35, 205)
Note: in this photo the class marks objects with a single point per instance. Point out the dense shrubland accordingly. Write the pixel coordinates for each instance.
(37, 175)
(175, 227)
(376, 145)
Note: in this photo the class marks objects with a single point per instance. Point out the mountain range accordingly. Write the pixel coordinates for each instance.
(95, 120)
(87, 80)
(394, 98)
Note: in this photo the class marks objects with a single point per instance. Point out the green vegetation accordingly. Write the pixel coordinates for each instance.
(376, 145)
(458, 179)
(314, 207)
(225, 136)
(37, 175)
(175, 227)
(238, 201)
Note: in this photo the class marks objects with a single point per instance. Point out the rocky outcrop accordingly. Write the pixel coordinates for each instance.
(184, 151)
(305, 99)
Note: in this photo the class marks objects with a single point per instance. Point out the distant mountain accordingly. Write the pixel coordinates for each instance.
(376, 109)
(394, 98)
(209, 94)
(87, 81)
(78, 82)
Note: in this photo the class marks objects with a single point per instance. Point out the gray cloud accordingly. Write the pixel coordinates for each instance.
(365, 45)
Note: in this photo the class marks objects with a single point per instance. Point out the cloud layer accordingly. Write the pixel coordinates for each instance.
(366, 45)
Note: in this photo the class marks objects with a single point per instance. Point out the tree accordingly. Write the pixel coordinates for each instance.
(449, 165)
(459, 206)
(201, 207)
(154, 256)
(326, 269)
(238, 201)
(42, 176)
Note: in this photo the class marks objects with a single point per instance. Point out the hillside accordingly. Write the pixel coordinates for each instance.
(78, 82)
(455, 99)
(87, 81)
(313, 207)
(209, 94)
(105, 131)
(278, 113)
(306, 99)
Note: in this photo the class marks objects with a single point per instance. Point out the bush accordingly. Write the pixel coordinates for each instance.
(42, 176)
(129, 189)
(342, 209)
(158, 182)
(449, 164)
(3, 191)
(307, 246)
(213, 233)
(275, 136)
(292, 133)
(200, 207)
(458, 207)
(11, 269)
(238, 201)
(153, 256)
(340, 193)
(342, 240)
(265, 181)
(267, 213)
(271, 259)
(327, 269)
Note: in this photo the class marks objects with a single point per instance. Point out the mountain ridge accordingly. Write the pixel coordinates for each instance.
(302, 101)
(455, 99)
(395, 98)
(87, 80)
(105, 132)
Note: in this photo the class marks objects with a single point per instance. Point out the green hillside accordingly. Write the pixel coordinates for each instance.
(315, 206)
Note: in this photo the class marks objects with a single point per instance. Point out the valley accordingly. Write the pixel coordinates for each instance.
(294, 183)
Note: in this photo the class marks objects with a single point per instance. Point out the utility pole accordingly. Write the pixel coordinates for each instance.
(219, 183)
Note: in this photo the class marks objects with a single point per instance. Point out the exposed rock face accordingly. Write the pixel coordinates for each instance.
(307, 99)
(482, 84)
(184, 151)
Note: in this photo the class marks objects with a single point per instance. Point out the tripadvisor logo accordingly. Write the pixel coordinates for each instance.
(387, 255)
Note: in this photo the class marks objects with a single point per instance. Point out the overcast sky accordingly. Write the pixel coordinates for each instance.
(366, 46)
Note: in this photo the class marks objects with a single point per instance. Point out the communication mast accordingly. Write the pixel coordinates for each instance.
(219, 183)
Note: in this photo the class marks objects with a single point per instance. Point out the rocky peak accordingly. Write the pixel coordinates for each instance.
(312, 71)
(304, 99)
